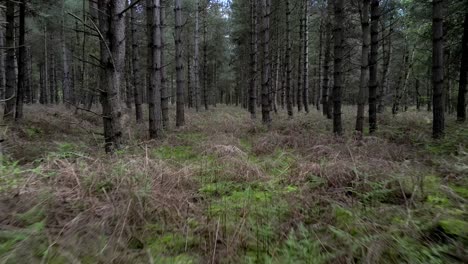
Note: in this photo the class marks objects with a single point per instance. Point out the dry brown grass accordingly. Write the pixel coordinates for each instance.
(107, 207)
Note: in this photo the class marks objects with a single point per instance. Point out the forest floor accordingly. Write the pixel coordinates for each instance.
(224, 189)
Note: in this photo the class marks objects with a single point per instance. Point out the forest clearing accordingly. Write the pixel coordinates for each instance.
(233, 131)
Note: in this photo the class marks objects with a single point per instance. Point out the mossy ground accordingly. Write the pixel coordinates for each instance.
(224, 189)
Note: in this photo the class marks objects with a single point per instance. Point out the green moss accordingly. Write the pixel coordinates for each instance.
(191, 137)
(33, 132)
(343, 217)
(455, 227)
(171, 247)
(461, 190)
(177, 153)
(438, 200)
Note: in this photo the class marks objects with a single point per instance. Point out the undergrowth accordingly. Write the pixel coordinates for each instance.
(224, 189)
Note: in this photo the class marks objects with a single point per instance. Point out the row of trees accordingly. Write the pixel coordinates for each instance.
(295, 53)
(101, 46)
(392, 68)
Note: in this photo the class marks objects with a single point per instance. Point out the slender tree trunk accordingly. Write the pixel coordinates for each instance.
(180, 115)
(418, 95)
(137, 97)
(266, 78)
(305, 49)
(42, 87)
(319, 69)
(46, 67)
(10, 75)
(363, 83)
(2, 59)
(112, 48)
(387, 55)
(190, 92)
(289, 103)
(196, 57)
(299, 62)
(205, 56)
(66, 69)
(21, 62)
(438, 127)
(56, 84)
(154, 83)
(461, 105)
(253, 60)
(338, 74)
(164, 90)
(326, 63)
(373, 84)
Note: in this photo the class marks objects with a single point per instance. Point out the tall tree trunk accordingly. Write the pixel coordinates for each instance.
(305, 49)
(66, 69)
(363, 83)
(253, 60)
(289, 103)
(10, 74)
(190, 92)
(137, 88)
(461, 105)
(42, 83)
(438, 127)
(180, 115)
(112, 49)
(266, 78)
(373, 84)
(205, 55)
(21, 62)
(154, 60)
(326, 62)
(299, 62)
(387, 55)
(46, 67)
(338, 72)
(2, 58)
(56, 82)
(196, 57)
(164, 90)
(319, 69)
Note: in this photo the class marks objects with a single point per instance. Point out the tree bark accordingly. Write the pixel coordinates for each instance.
(68, 100)
(180, 115)
(438, 124)
(21, 62)
(2, 58)
(137, 88)
(299, 62)
(10, 75)
(338, 74)
(363, 83)
(253, 60)
(205, 56)
(266, 78)
(461, 105)
(112, 49)
(387, 55)
(164, 90)
(154, 66)
(289, 103)
(326, 62)
(373, 83)
(305, 49)
(196, 58)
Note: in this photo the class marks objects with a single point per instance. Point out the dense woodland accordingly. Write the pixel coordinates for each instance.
(222, 131)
